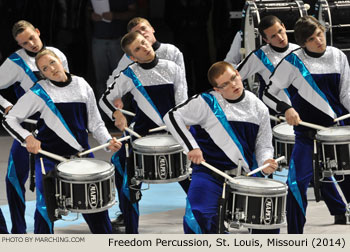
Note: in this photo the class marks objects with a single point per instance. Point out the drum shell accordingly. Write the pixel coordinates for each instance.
(333, 149)
(284, 140)
(85, 193)
(159, 159)
(257, 207)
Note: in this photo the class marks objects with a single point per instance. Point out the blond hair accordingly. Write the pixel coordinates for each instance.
(20, 26)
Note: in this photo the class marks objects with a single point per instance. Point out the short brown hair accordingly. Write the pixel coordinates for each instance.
(266, 22)
(20, 26)
(216, 70)
(135, 21)
(305, 27)
(126, 40)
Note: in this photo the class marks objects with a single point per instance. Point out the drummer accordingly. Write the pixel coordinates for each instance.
(156, 85)
(231, 126)
(319, 75)
(263, 60)
(67, 109)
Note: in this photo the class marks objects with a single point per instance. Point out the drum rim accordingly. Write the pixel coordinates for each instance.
(329, 138)
(176, 147)
(272, 191)
(283, 136)
(85, 177)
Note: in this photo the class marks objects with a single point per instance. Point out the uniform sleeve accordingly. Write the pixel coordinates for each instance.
(345, 82)
(123, 63)
(233, 56)
(64, 61)
(9, 74)
(263, 146)
(191, 112)
(95, 123)
(280, 79)
(119, 87)
(25, 107)
(249, 66)
(180, 85)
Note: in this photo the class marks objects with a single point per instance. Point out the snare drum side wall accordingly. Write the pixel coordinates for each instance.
(254, 209)
(151, 168)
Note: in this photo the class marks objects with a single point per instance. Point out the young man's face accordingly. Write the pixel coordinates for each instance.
(141, 50)
(52, 68)
(145, 30)
(30, 40)
(276, 35)
(229, 84)
(316, 42)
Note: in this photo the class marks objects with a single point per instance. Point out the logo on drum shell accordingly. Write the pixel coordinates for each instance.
(268, 206)
(162, 167)
(92, 195)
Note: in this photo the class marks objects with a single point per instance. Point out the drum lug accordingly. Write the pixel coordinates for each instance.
(347, 215)
(236, 224)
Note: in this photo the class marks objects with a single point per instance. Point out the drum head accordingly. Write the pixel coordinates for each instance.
(334, 134)
(156, 144)
(284, 131)
(260, 186)
(84, 168)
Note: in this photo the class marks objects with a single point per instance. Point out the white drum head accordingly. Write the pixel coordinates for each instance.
(284, 131)
(156, 143)
(334, 134)
(84, 168)
(261, 186)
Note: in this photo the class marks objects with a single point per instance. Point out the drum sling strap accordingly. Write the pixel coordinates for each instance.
(128, 72)
(22, 64)
(220, 115)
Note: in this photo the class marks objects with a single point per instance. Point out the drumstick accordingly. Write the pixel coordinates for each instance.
(275, 118)
(342, 118)
(158, 128)
(49, 154)
(132, 132)
(310, 125)
(126, 112)
(264, 166)
(101, 146)
(30, 121)
(216, 170)
(42, 166)
(52, 155)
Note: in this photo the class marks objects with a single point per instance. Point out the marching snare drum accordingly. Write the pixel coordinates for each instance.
(257, 203)
(159, 159)
(284, 140)
(333, 149)
(85, 185)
